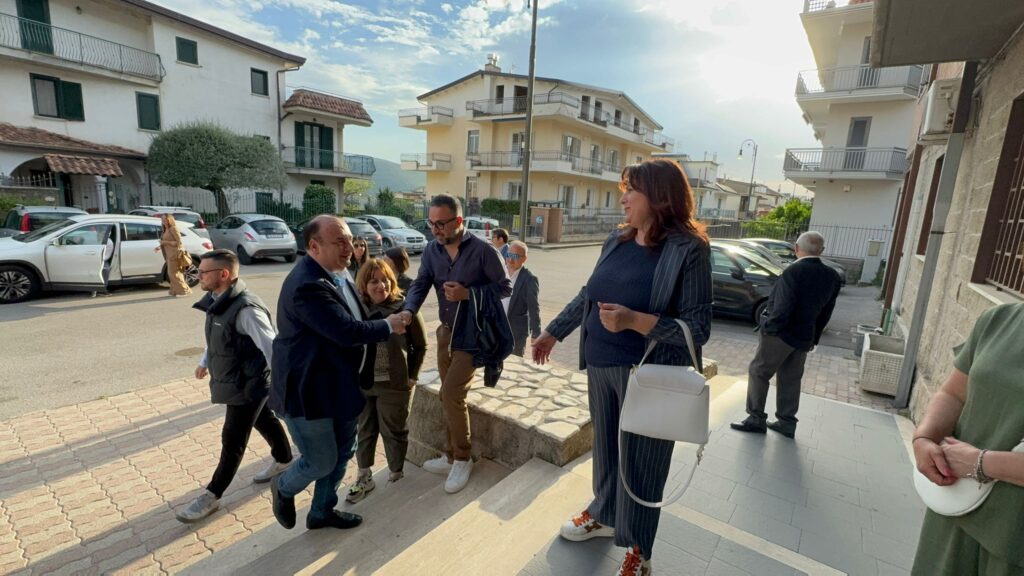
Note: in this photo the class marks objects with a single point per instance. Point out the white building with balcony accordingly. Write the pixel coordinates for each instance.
(582, 137)
(87, 85)
(862, 116)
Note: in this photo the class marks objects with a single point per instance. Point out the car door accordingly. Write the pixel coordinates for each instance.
(74, 259)
(140, 252)
(221, 235)
(728, 291)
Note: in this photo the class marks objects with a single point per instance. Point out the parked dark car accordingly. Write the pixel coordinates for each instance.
(360, 229)
(422, 227)
(786, 252)
(742, 280)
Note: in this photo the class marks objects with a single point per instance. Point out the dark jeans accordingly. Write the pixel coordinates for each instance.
(326, 445)
(238, 424)
(776, 358)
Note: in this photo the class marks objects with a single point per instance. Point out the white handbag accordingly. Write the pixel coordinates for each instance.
(669, 403)
(963, 496)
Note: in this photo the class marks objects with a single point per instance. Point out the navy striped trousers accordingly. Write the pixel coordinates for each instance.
(646, 466)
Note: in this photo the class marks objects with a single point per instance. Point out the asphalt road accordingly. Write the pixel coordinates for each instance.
(68, 348)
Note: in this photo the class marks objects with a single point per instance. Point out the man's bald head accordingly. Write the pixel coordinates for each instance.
(328, 241)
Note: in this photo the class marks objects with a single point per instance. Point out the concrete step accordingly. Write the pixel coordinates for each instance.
(502, 530)
(395, 518)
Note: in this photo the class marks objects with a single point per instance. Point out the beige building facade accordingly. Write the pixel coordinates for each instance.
(582, 137)
(978, 250)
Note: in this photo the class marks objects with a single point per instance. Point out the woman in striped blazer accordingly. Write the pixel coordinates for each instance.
(653, 269)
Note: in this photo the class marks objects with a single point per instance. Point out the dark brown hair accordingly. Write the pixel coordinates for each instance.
(400, 257)
(668, 192)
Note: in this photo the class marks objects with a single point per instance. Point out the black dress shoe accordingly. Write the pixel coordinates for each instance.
(781, 429)
(340, 520)
(749, 425)
(284, 508)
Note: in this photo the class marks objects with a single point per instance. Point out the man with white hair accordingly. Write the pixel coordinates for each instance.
(523, 307)
(799, 308)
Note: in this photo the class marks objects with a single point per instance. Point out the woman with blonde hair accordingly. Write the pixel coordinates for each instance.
(388, 378)
(175, 256)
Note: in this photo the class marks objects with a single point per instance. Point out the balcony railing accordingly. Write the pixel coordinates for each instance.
(659, 140)
(597, 116)
(817, 160)
(509, 159)
(329, 160)
(864, 77)
(441, 161)
(426, 112)
(71, 46)
(517, 104)
(819, 5)
(717, 213)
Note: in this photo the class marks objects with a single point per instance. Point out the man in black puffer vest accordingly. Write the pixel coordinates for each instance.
(239, 346)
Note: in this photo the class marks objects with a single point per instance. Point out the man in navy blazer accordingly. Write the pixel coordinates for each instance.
(799, 308)
(319, 349)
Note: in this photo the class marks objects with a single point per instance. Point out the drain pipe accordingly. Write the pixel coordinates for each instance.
(943, 200)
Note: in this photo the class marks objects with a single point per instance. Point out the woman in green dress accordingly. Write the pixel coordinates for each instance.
(967, 431)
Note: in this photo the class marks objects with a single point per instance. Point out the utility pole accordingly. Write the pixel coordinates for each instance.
(524, 192)
(753, 167)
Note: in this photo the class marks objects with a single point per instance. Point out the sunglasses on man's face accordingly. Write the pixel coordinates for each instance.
(514, 256)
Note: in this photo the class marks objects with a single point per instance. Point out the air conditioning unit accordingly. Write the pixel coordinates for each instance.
(939, 110)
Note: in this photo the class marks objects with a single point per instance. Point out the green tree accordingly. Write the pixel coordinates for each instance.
(353, 191)
(318, 199)
(211, 157)
(385, 199)
(794, 211)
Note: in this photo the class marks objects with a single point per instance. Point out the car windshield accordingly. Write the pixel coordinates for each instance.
(754, 263)
(268, 227)
(44, 231)
(361, 228)
(192, 219)
(37, 220)
(391, 223)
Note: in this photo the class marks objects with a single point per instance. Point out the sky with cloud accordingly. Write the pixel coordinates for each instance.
(713, 72)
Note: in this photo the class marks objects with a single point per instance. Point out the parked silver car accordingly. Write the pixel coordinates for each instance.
(23, 219)
(254, 236)
(395, 232)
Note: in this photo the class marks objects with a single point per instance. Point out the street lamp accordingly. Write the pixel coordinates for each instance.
(753, 166)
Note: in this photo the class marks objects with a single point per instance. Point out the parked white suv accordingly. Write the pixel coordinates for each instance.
(68, 255)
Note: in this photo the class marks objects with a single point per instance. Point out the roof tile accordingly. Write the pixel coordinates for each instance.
(327, 103)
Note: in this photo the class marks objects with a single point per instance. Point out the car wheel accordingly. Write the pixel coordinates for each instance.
(17, 284)
(290, 258)
(759, 311)
(192, 273)
(386, 243)
(243, 256)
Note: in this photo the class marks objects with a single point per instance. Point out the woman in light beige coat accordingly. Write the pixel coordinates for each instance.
(170, 243)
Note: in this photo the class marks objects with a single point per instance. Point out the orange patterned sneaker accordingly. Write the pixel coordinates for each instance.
(584, 527)
(634, 564)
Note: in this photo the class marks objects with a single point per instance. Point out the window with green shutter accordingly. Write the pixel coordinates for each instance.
(57, 98)
(149, 110)
(188, 50)
(259, 82)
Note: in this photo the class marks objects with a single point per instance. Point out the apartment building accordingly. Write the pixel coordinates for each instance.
(862, 116)
(959, 242)
(87, 85)
(582, 137)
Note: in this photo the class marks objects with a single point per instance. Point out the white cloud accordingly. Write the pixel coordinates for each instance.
(447, 8)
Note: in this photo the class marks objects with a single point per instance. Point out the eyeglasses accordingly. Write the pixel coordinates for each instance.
(514, 256)
(201, 272)
(441, 223)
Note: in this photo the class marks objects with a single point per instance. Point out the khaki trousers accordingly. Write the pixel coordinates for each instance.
(456, 374)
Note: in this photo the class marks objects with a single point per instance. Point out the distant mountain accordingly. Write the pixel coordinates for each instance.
(390, 175)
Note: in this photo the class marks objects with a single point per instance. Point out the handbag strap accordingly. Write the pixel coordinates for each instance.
(689, 345)
(676, 495)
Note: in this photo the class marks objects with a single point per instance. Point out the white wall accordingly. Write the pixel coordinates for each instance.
(868, 204)
(851, 44)
(219, 88)
(891, 123)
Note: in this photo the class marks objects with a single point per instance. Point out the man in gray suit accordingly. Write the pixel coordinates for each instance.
(523, 307)
(799, 308)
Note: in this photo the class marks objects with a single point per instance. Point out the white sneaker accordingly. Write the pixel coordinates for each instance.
(439, 465)
(459, 476)
(272, 469)
(199, 508)
(583, 527)
(634, 564)
(363, 486)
